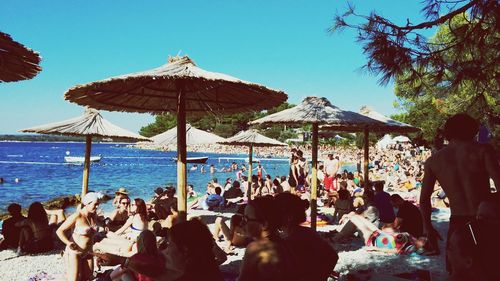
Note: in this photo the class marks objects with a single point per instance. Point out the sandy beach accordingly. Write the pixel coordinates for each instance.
(352, 257)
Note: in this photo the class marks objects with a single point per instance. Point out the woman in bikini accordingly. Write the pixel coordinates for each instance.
(121, 241)
(79, 262)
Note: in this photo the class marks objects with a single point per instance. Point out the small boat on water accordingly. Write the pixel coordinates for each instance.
(81, 160)
(198, 160)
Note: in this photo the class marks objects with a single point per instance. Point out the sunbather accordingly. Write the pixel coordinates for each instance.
(77, 255)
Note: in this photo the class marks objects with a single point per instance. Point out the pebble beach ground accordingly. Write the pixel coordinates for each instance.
(352, 257)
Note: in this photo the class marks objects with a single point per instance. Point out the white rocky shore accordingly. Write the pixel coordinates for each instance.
(352, 257)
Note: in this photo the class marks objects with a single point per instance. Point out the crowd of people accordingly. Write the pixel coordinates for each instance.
(147, 240)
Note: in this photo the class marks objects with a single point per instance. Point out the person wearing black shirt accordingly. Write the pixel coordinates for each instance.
(408, 219)
(9, 230)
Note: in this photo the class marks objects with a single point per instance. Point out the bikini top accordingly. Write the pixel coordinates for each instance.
(84, 230)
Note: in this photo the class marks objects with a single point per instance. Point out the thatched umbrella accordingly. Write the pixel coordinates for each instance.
(90, 124)
(251, 138)
(386, 125)
(194, 136)
(316, 111)
(17, 62)
(177, 87)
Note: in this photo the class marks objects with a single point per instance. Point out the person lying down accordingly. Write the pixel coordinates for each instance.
(386, 240)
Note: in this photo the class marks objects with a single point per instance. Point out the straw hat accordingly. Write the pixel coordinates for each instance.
(121, 190)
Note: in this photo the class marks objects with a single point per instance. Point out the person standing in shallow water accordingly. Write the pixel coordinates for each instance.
(463, 168)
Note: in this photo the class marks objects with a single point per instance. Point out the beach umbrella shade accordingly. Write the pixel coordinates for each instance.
(384, 125)
(17, 62)
(90, 125)
(316, 111)
(251, 138)
(179, 86)
(385, 141)
(194, 136)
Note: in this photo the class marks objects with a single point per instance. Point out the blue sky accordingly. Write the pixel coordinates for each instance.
(281, 44)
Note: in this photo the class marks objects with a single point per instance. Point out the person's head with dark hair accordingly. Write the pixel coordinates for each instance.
(140, 208)
(191, 251)
(461, 127)
(379, 185)
(261, 218)
(276, 182)
(300, 153)
(350, 176)
(268, 177)
(170, 191)
(14, 210)
(236, 184)
(159, 191)
(37, 214)
(283, 178)
(368, 195)
(396, 200)
(344, 194)
(255, 179)
(218, 190)
(146, 243)
(343, 185)
(291, 210)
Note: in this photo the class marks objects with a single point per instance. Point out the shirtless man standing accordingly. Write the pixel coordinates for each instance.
(463, 168)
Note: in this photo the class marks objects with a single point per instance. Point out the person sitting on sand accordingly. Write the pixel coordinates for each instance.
(121, 241)
(234, 191)
(382, 201)
(121, 192)
(192, 197)
(190, 255)
(343, 205)
(36, 234)
(267, 257)
(10, 232)
(119, 215)
(408, 218)
(234, 235)
(145, 264)
(386, 240)
(214, 200)
(315, 256)
(77, 255)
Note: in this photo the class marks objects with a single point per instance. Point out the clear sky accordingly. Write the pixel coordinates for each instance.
(281, 44)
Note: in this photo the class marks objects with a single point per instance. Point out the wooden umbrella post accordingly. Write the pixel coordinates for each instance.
(314, 178)
(366, 148)
(86, 165)
(181, 154)
(250, 161)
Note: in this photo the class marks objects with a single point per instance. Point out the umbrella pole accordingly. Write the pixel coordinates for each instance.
(365, 164)
(86, 165)
(250, 161)
(181, 155)
(314, 178)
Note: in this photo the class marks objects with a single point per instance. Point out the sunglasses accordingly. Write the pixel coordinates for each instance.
(246, 219)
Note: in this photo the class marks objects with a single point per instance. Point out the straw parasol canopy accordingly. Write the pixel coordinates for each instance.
(17, 62)
(178, 87)
(194, 136)
(316, 111)
(251, 138)
(90, 124)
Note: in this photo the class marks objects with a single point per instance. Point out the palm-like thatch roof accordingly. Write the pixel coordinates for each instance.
(156, 91)
(320, 111)
(251, 137)
(390, 125)
(91, 124)
(194, 136)
(17, 62)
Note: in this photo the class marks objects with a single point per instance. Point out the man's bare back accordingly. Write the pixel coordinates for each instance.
(463, 169)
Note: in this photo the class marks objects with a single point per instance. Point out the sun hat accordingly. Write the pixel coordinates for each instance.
(91, 197)
(121, 190)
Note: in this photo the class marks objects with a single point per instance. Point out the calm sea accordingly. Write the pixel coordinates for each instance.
(43, 174)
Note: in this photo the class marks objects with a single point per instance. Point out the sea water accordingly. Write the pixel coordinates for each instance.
(42, 173)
